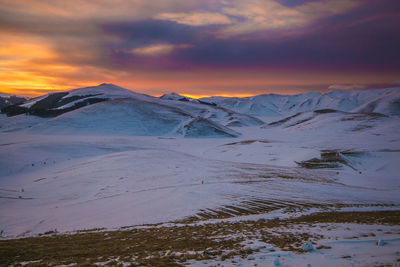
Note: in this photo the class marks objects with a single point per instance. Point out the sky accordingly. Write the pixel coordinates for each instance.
(199, 48)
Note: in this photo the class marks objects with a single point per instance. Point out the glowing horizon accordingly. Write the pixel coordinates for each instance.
(228, 48)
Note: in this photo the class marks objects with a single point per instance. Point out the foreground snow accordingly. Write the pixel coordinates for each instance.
(73, 172)
(341, 245)
(82, 182)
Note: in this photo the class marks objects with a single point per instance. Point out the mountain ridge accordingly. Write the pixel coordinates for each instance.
(110, 109)
(285, 105)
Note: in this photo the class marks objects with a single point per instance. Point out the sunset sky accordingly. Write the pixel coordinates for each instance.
(199, 48)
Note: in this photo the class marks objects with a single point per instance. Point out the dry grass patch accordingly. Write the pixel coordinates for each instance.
(173, 246)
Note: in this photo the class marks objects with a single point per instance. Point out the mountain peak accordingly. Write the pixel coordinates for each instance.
(107, 90)
(106, 84)
(173, 96)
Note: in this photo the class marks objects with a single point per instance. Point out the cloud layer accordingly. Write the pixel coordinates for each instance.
(199, 47)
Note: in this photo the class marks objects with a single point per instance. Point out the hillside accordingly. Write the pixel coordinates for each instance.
(110, 109)
(385, 101)
(8, 100)
(129, 116)
(107, 163)
(55, 104)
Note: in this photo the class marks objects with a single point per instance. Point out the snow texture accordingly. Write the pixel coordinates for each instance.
(125, 162)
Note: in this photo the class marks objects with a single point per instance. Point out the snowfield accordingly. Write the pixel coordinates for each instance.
(136, 160)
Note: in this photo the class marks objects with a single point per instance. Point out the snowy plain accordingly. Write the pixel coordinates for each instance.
(55, 175)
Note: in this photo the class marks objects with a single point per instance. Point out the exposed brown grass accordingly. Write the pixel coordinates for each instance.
(172, 246)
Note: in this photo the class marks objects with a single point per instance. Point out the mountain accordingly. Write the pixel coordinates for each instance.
(175, 96)
(388, 103)
(221, 115)
(54, 104)
(136, 117)
(110, 109)
(385, 101)
(330, 119)
(8, 100)
(87, 168)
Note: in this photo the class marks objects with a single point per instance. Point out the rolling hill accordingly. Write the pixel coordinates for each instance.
(385, 101)
(110, 109)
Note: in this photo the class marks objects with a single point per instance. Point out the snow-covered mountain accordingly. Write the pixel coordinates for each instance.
(221, 115)
(178, 97)
(130, 116)
(8, 100)
(388, 103)
(112, 158)
(54, 104)
(385, 101)
(331, 120)
(110, 109)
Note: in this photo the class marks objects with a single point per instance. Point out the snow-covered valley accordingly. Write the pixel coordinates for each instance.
(134, 159)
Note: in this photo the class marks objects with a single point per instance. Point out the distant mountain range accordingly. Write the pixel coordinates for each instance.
(385, 101)
(110, 109)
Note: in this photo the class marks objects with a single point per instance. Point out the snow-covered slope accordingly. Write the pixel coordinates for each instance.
(81, 182)
(329, 118)
(18, 123)
(4, 94)
(105, 91)
(384, 101)
(56, 104)
(333, 129)
(118, 163)
(129, 116)
(220, 115)
(210, 111)
(388, 103)
(8, 100)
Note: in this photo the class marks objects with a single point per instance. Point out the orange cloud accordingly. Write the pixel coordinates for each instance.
(245, 82)
(195, 19)
(52, 45)
(29, 67)
(104, 10)
(17, 71)
(156, 50)
(33, 67)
